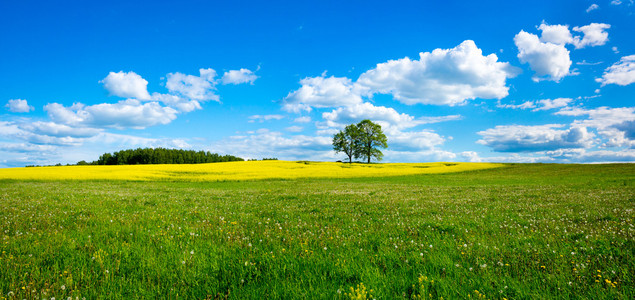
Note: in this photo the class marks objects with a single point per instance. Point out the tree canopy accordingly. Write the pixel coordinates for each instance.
(346, 141)
(142, 156)
(361, 140)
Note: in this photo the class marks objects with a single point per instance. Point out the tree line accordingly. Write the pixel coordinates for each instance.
(142, 156)
(361, 140)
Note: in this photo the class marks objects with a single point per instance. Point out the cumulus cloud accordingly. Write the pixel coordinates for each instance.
(18, 106)
(600, 117)
(199, 88)
(620, 73)
(60, 130)
(548, 60)
(471, 156)
(239, 76)
(321, 92)
(441, 77)
(413, 141)
(592, 8)
(547, 56)
(555, 34)
(29, 133)
(628, 127)
(126, 85)
(518, 138)
(594, 35)
(605, 156)
(611, 123)
(123, 114)
(177, 102)
(547, 104)
(385, 116)
(266, 143)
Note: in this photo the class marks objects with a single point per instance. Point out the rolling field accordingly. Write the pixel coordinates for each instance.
(240, 170)
(514, 231)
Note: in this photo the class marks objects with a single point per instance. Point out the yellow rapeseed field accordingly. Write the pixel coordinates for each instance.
(246, 170)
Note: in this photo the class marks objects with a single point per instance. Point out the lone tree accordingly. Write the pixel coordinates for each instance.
(371, 137)
(346, 141)
(361, 140)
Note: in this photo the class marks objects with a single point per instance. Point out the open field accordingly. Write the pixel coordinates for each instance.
(515, 232)
(240, 170)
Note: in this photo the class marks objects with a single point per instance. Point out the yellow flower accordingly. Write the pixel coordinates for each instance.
(245, 170)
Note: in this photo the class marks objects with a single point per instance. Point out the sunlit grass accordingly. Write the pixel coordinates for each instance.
(247, 170)
(518, 232)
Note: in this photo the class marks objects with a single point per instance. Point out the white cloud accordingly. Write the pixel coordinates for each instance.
(265, 143)
(385, 116)
(471, 156)
(600, 117)
(304, 119)
(199, 88)
(123, 114)
(524, 105)
(294, 129)
(18, 106)
(126, 85)
(518, 138)
(555, 34)
(239, 76)
(60, 130)
(616, 2)
(547, 104)
(620, 73)
(611, 123)
(615, 50)
(592, 8)
(594, 35)
(548, 56)
(262, 118)
(414, 141)
(321, 92)
(177, 102)
(586, 63)
(422, 143)
(605, 156)
(418, 156)
(441, 77)
(29, 133)
(550, 61)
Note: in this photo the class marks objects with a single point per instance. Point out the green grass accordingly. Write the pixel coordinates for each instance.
(523, 231)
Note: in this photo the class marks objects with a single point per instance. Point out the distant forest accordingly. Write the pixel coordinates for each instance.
(144, 156)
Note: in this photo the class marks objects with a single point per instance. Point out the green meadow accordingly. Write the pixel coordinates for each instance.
(524, 231)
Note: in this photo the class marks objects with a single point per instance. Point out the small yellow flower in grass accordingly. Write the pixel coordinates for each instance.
(543, 267)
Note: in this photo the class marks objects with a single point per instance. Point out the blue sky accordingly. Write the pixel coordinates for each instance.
(505, 81)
